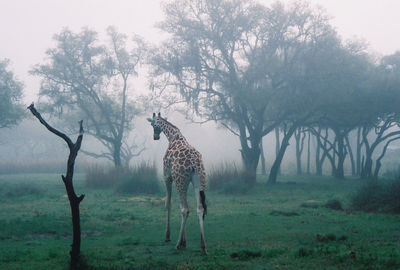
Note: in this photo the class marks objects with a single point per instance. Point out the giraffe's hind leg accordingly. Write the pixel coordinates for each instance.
(201, 209)
(185, 213)
(168, 185)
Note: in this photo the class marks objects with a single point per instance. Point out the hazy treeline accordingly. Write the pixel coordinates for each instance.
(258, 71)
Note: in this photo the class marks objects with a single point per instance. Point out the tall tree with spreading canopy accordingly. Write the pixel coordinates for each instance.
(339, 73)
(230, 61)
(83, 77)
(11, 109)
(382, 119)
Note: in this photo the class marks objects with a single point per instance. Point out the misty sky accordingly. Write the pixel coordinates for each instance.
(27, 26)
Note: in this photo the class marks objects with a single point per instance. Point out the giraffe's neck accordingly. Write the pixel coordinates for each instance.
(171, 132)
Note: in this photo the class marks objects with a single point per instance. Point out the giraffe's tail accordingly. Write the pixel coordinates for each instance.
(203, 202)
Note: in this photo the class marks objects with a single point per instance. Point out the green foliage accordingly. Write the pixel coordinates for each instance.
(11, 109)
(140, 179)
(102, 72)
(227, 179)
(376, 196)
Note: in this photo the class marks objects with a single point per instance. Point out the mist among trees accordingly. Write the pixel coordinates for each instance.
(256, 71)
(267, 106)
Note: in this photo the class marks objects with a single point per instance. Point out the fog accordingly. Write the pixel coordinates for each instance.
(277, 121)
(28, 27)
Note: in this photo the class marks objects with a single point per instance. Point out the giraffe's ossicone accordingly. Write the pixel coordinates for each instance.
(183, 165)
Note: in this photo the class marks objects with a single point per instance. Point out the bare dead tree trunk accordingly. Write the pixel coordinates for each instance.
(74, 200)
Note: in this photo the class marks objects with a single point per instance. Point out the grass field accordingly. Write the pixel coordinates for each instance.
(271, 227)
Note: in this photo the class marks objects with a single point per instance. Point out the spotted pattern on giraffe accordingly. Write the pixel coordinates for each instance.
(182, 164)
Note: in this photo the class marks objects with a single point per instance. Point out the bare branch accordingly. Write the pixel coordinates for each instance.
(50, 128)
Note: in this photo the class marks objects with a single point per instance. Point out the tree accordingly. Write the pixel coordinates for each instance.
(340, 72)
(74, 200)
(300, 136)
(231, 62)
(381, 120)
(83, 77)
(11, 109)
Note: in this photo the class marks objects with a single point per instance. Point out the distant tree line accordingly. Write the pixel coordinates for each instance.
(253, 69)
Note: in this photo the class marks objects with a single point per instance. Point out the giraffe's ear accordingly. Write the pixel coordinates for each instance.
(150, 120)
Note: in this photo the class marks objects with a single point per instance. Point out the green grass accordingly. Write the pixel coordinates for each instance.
(266, 228)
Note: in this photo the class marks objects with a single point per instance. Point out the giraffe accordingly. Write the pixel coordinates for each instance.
(182, 164)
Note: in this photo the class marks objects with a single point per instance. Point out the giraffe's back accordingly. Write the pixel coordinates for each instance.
(182, 161)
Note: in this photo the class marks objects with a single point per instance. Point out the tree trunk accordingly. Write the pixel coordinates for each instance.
(308, 152)
(367, 168)
(333, 161)
(250, 158)
(318, 163)
(117, 154)
(358, 152)
(74, 200)
(277, 163)
(263, 169)
(341, 155)
(378, 163)
(350, 150)
(277, 145)
(297, 136)
(299, 149)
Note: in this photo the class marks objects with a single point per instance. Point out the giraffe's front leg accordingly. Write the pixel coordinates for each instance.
(168, 185)
(185, 213)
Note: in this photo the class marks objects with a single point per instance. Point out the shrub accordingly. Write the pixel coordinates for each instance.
(326, 237)
(142, 178)
(334, 204)
(245, 255)
(283, 213)
(227, 179)
(97, 176)
(376, 196)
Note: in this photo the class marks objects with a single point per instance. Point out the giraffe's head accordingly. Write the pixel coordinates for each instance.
(156, 123)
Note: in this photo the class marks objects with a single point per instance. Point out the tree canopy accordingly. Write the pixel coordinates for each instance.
(11, 109)
(84, 77)
(241, 64)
